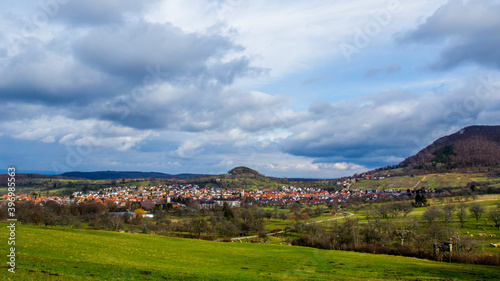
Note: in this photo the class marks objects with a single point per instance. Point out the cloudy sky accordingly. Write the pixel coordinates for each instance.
(290, 88)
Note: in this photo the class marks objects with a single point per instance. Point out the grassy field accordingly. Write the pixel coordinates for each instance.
(428, 181)
(70, 254)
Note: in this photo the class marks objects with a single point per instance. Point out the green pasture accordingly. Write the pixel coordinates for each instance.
(74, 254)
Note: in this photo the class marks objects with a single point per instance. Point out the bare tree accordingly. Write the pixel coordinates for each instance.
(348, 232)
(494, 215)
(395, 209)
(477, 210)
(371, 213)
(227, 228)
(447, 213)
(464, 245)
(462, 213)
(305, 217)
(404, 230)
(370, 232)
(198, 226)
(109, 222)
(384, 211)
(295, 208)
(431, 215)
(406, 207)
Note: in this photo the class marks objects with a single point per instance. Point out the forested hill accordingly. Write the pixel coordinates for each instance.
(470, 147)
(113, 175)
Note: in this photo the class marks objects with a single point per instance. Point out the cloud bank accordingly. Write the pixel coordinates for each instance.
(161, 86)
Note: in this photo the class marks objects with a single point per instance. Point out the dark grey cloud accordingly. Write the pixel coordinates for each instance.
(485, 52)
(39, 72)
(192, 110)
(109, 79)
(469, 30)
(182, 57)
(165, 97)
(383, 128)
(99, 71)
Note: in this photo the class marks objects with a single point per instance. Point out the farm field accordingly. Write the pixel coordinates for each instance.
(57, 253)
(428, 181)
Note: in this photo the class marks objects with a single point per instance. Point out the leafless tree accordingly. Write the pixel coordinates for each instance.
(404, 230)
(199, 226)
(431, 215)
(406, 207)
(462, 213)
(477, 210)
(447, 213)
(494, 215)
(395, 209)
(384, 211)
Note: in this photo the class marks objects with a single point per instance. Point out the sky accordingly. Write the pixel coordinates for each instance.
(317, 89)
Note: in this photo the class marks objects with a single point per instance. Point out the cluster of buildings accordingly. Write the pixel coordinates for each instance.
(150, 196)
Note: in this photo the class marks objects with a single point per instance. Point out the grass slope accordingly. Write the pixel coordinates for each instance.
(72, 254)
(428, 181)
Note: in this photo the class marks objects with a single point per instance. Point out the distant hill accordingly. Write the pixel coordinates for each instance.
(25, 176)
(241, 170)
(113, 175)
(246, 178)
(470, 147)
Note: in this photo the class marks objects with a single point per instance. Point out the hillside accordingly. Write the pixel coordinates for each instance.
(113, 175)
(247, 178)
(25, 176)
(241, 170)
(67, 183)
(428, 180)
(474, 146)
(50, 254)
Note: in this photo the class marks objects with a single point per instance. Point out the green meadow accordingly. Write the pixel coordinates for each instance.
(57, 253)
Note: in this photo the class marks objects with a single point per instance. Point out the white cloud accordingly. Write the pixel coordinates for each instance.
(187, 149)
(288, 38)
(88, 132)
(229, 73)
(393, 123)
(297, 167)
(48, 139)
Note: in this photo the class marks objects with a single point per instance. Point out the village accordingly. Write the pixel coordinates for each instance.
(150, 196)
